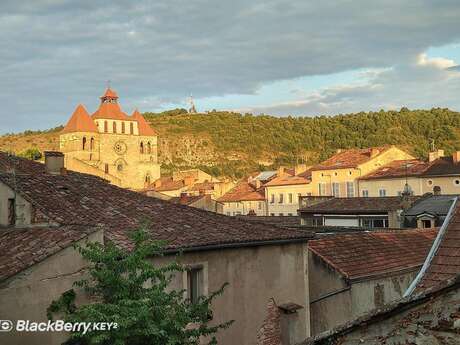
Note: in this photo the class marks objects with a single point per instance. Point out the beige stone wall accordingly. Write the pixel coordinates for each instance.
(392, 186)
(23, 207)
(344, 304)
(286, 208)
(254, 274)
(342, 176)
(27, 295)
(243, 208)
(127, 166)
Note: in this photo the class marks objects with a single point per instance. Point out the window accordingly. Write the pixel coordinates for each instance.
(457, 182)
(260, 205)
(106, 126)
(350, 189)
(374, 223)
(11, 212)
(365, 193)
(106, 168)
(84, 144)
(141, 148)
(382, 192)
(272, 198)
(290, 198)
(123, 127)
(272, 214)
(281, 214)
(281, 198)
(147, 178)
(131, 128)
(194, 283)
(149, 148)
(228, 213)
(336, 189)
(289, 214)
(426, 223)
(429, 182)
(322, 189)
(120, 167)
(114, 127)
(91, 144)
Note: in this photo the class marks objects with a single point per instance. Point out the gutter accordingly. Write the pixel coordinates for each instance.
(236, 245)
(330, 294)
(433, 250)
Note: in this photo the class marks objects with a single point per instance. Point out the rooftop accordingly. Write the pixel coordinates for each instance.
(290, 179)
(443, 166)
(399, 168)
(358, 205)
(243, 191)
(80, 121)
(21, 248)
(368, 254)
(349, 158)
(437, 205)
(81, 199)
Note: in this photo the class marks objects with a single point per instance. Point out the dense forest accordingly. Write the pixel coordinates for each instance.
(232, 144)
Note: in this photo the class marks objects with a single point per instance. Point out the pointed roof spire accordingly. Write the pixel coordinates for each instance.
(80, 121)
(142, 124)
(109, 107)
(109, 94)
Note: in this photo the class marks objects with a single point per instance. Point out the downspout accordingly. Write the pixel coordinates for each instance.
(433, 250)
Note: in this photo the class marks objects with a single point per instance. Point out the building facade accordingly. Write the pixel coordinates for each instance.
(110, 144)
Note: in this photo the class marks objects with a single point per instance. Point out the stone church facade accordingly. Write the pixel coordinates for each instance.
(110, 144)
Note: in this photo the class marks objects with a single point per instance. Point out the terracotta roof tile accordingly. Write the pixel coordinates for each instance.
(290, 179)
(446, 262)
(21, 248)
(187, 199)
(366, 254)
(399, 168)
(349, 158)
(144, 127)
(243, 191)
(443, 166)
(82, 199)
(110, 111)
(166, 183)
(80, 121)
(358, 205)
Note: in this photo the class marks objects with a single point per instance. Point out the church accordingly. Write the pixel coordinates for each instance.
(110, 144)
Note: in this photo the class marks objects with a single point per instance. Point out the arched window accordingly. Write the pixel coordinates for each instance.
(106, 127)
(149, 148)
(120, 167)
(147, 179)
(84, 143)
(91, 144)
(114, 127)
(131, 128)
(123, 127)
(142, 147)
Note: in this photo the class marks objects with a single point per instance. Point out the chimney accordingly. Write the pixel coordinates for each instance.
(54, 162)
(374, 152)
(456, 157)
(300, 168)
(281, 171)
(183, 198)
(432, 156)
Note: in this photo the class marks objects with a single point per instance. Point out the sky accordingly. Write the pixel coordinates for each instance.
(279, 57)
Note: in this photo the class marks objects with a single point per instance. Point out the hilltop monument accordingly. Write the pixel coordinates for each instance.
(110, 144)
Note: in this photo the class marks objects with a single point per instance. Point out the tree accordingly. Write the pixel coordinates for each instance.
(129, 290)
(32, 154)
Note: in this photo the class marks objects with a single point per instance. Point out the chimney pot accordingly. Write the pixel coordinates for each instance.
(54, 162)
(456, 157)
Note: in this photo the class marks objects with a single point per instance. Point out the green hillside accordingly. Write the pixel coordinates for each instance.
(233, 144)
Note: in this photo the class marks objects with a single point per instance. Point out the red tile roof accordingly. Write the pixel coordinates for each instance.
(358, 205)
(243, 191)
(109, 93)
(446, 262)
(80, 121)
(399, 168)
(187, 199)
(82, 199)
(166, 183)
(21, 248)
(144, 127)
(20, 165)
(367, 254)
(110, 111)
(349, 158)
(290, 179)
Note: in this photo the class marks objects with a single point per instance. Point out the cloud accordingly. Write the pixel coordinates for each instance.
(56, 54)
(425, 83)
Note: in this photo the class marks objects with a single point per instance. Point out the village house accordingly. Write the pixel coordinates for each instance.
(428, 212)
(44, 209)
(439, 175)
(369, 212)
(282, 192)
(110, 144)
(338, 176)
(352, 274)
(204, 202)
(429, 311)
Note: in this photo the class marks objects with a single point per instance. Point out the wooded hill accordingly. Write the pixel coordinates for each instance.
(232, 144)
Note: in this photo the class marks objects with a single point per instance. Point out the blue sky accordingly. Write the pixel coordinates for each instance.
(280, 57)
